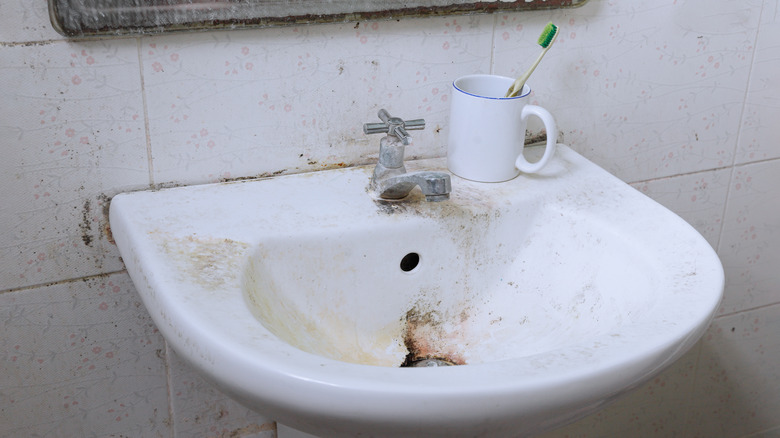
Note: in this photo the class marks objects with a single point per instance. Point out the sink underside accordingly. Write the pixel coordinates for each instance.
(302, 296)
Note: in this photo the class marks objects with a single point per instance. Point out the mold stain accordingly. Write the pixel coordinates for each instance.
(89, 220)
(86, 224)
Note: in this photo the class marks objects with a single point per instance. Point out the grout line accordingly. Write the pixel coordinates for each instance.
(724, 210)
(51, 41)
(169, 383)
(695, 172)
(688, 404)
(746, 94)
(750, 309)
(150, 161)
(30, 43)
(763, 432)
(65, 281)
(714, 169)
(763, 160)
(740, 132)
(493, 42)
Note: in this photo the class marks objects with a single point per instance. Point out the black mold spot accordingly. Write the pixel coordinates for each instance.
(86, 224)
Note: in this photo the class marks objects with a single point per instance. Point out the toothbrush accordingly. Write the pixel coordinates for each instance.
(545, 40)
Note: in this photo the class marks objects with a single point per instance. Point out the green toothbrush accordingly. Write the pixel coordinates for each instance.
(545, 40)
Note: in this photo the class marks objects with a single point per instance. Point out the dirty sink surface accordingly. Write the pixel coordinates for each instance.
(554, 292)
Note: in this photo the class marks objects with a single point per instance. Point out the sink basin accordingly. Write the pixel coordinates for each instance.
(302, 296)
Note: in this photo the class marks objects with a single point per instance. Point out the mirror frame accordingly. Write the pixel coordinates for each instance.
(86, 18)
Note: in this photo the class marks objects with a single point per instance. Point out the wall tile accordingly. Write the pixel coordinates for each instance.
(81, 359)
(657, 409)
(72, 135)
(760, 136)
(738, 384)
(771, 433)
(750, 246)
(266, 101)
(200, 409)
(646, 90)
(698, 198)
(24, 21)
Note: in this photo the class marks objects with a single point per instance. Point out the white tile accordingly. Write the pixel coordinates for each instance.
(738, 383)
(200, 409)
(645, 89)
(269, 101)
(72, 135)
(657, 409)
(25, 21)
(770, 433)
(81, 359)
(760, 136)
(698, 198)
(750, 245)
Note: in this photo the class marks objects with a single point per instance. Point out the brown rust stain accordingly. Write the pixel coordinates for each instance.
(212, 262)
(429, 335)
(324, 331)
(251, 429)
(105, 202)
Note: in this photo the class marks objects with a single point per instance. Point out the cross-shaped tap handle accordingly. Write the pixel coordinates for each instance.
(394, 126)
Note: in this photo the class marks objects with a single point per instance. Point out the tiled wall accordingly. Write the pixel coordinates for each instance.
(679, 98)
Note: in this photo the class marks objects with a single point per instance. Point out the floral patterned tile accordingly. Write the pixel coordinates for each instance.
(644, 89)
(750, 246)
(738, 384)
(657, 409)
(769, 433)
(698, 198)
(72, 136)
(24, 21)
(81, 358)
(271, 101)
(200, 409)
(760, 136)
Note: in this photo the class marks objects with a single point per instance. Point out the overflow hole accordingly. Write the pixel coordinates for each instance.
(410, 261)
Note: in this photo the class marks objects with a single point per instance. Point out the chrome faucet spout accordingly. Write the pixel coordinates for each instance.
(390, 180)
(436, 186)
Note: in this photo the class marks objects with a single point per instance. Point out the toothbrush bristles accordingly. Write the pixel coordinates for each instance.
(547, 37)
(548, 34)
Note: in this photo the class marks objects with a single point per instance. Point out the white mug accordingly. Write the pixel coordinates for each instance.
(487, 130)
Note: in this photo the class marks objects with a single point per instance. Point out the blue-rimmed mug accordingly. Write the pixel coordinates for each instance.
(487, 130)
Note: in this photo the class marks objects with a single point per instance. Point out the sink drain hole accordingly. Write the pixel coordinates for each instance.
(422, 363)
(410, 261)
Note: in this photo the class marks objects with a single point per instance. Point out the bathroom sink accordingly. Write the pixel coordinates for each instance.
(302, 296)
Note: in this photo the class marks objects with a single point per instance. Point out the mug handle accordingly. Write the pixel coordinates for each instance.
(552, 139)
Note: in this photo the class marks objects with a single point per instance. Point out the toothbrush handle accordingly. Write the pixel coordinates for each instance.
(517, 86)
(535, 64)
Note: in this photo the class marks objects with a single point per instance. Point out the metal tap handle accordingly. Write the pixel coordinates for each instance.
(393, 126)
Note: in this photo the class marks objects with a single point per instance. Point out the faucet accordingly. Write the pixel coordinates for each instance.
(390, 180)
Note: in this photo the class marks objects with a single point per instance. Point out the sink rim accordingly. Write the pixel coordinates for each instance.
(506, 381)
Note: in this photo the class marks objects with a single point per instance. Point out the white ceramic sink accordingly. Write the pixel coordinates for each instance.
(555, 293)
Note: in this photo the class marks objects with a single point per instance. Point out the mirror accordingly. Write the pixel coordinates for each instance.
(78, 18)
